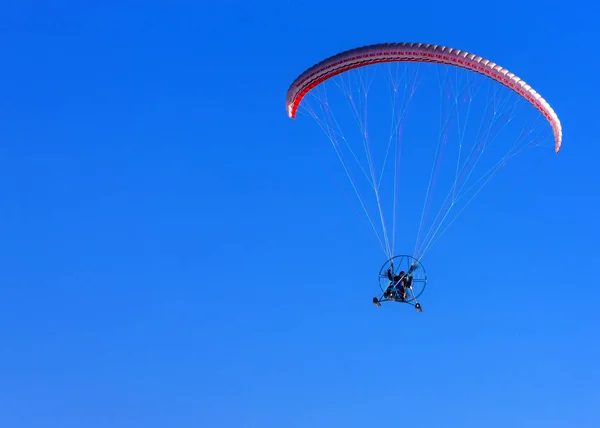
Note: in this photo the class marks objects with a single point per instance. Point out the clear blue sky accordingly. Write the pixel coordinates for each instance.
(173, 254)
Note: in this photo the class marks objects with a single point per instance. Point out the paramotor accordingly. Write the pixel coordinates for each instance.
(488, 116)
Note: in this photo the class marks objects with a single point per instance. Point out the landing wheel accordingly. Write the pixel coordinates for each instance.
(376, 301)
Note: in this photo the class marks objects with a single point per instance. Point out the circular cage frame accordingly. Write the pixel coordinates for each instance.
(410, 265)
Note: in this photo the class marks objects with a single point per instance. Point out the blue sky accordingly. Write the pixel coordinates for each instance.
(174, 254)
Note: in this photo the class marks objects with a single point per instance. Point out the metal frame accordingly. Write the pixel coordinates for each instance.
(413, 269)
